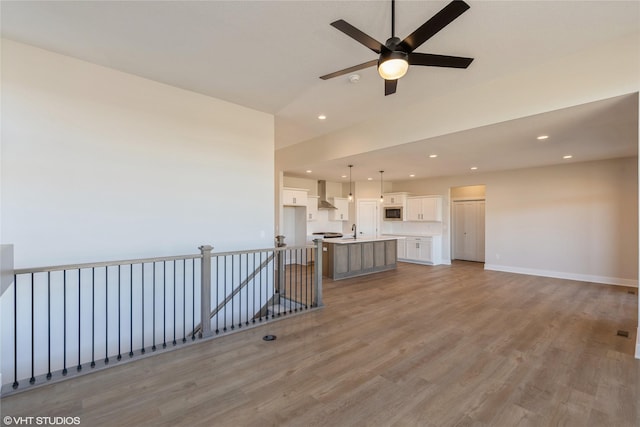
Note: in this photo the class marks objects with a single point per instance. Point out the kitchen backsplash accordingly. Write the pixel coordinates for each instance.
(323, 224)
(411, 228)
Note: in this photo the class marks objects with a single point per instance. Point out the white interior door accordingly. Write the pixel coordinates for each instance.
(367, 218)
(294, 229)
(468, 230)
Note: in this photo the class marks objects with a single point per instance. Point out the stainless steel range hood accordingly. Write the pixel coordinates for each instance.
(322, 193)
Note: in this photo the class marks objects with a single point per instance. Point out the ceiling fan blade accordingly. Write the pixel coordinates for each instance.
(433, 25)
(359, 36)
(439, 60)
(390, 87)
(350, 69)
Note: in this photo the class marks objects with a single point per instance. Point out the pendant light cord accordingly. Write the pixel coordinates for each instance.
(350, 185)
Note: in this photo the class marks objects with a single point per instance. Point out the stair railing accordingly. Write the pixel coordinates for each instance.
(263, 278)
(62, 321)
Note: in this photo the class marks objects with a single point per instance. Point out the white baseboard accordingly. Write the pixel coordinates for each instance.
(562, 275)
(413, 261)
(638, 343)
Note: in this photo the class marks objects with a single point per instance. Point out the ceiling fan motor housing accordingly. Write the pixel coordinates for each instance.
(394, 54)
(393, 43)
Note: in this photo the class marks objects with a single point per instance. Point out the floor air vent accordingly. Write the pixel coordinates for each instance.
(623, 334)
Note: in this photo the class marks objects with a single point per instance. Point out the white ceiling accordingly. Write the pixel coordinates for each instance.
(577, 131)
(268, 55)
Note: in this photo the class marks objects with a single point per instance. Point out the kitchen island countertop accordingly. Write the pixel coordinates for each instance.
(348, 240)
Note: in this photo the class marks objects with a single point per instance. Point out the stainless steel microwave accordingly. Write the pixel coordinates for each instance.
(393, 213)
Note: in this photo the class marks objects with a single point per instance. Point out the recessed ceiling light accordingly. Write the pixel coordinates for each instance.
(309, 171)
(343, 176)
(568, 156)
(541, 137)
(412, 175)
(473, 168)
(322, 117)
(369, 179)
(433, 156)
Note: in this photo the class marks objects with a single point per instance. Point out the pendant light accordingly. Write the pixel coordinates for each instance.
(350, 192)
(381, 191)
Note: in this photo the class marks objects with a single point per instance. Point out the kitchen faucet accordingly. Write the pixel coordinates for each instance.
(355, 232)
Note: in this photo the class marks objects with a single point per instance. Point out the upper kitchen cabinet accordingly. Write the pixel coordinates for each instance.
(312, 208)
(428, 208)
(294, 196)
(341, 213)
(394, 199)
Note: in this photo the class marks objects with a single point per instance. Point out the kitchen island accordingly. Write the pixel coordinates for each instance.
(343, 258)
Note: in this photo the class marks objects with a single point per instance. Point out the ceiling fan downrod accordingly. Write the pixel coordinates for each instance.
(393, 18)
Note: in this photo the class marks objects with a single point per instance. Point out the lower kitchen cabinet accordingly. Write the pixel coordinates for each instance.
(422, 250)
(419, 249)
(402, 248)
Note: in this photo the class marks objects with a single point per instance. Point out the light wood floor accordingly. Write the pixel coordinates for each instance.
(424, 346)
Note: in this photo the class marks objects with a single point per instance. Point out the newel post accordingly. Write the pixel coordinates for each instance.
(318, 272)
(205, 291)
(280, 258)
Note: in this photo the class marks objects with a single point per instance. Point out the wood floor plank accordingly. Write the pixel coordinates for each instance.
(417, 346)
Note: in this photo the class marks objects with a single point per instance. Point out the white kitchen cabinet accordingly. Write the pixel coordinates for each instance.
(312, 208)
(414, 209)
(294, 196)
(402, 248)
(424, 208)
(341, 213)
(419, 249)
(394, 199)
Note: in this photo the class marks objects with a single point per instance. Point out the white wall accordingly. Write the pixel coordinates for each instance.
(370, 189)
(309, 184)
(468, 192)
(576, 221)
(99, 165)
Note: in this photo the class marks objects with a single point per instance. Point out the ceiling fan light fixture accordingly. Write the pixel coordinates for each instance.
(393, 65)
